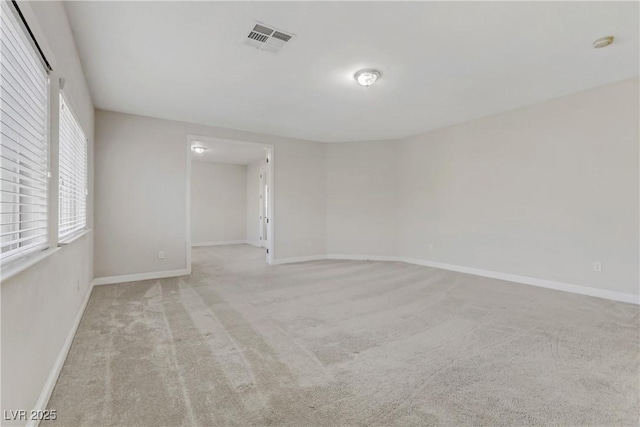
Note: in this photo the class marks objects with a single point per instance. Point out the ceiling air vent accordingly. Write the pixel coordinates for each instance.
(267, 38)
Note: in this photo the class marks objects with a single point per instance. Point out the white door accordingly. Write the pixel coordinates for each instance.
(264, 207)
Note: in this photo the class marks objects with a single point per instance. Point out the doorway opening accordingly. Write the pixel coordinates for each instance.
(230, 195)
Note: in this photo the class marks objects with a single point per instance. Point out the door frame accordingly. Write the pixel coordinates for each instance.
(261, 228)
(270, 156)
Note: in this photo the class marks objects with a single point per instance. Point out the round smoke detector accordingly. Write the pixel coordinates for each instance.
(603, 42)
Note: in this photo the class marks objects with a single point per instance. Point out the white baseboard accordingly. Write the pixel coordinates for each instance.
(220, 243)
(299, 259)
(549, 284)
(52, 379)
(140, 276)
(257, 243)
(532, 281)
(363, 257)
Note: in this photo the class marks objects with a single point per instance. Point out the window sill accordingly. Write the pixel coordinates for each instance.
(25, 263)
(73, 238)
(29, 261)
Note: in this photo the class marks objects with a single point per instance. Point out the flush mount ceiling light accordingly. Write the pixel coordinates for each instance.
(198, 150)
(367, 77)
(603, 42)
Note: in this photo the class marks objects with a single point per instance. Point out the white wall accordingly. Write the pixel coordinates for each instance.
(542, 191)
(141, 193)
(218, 202)
(253, 203)
(362, 198)
(40, 305)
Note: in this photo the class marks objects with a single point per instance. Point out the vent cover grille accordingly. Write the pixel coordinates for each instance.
(262, 29)
(265, 37)
(281, 36)
(257, 36)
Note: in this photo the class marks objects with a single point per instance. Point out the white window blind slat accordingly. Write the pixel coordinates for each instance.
(19, 63)
(70, 224)
(34, 215)
(24, 86)
(13, 138)
(6, 173)
(72, 212)
(34, 236)
(22, 96)
(24, 146)
(9, 233)
(65, 170)
(17, 122)
(24, 204)
(21, 193)
(12, 160)
(16, 38)
(25, 222)
(67, 129)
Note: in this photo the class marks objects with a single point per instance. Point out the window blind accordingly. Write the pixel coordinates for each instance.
(24, 145)
(73, 174)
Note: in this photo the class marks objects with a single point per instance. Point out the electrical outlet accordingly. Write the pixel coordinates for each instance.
(597, 266)
(161, 255)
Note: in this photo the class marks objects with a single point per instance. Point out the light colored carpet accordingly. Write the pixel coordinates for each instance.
(346, 343)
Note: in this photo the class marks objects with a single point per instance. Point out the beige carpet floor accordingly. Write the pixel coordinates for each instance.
(338, 343)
